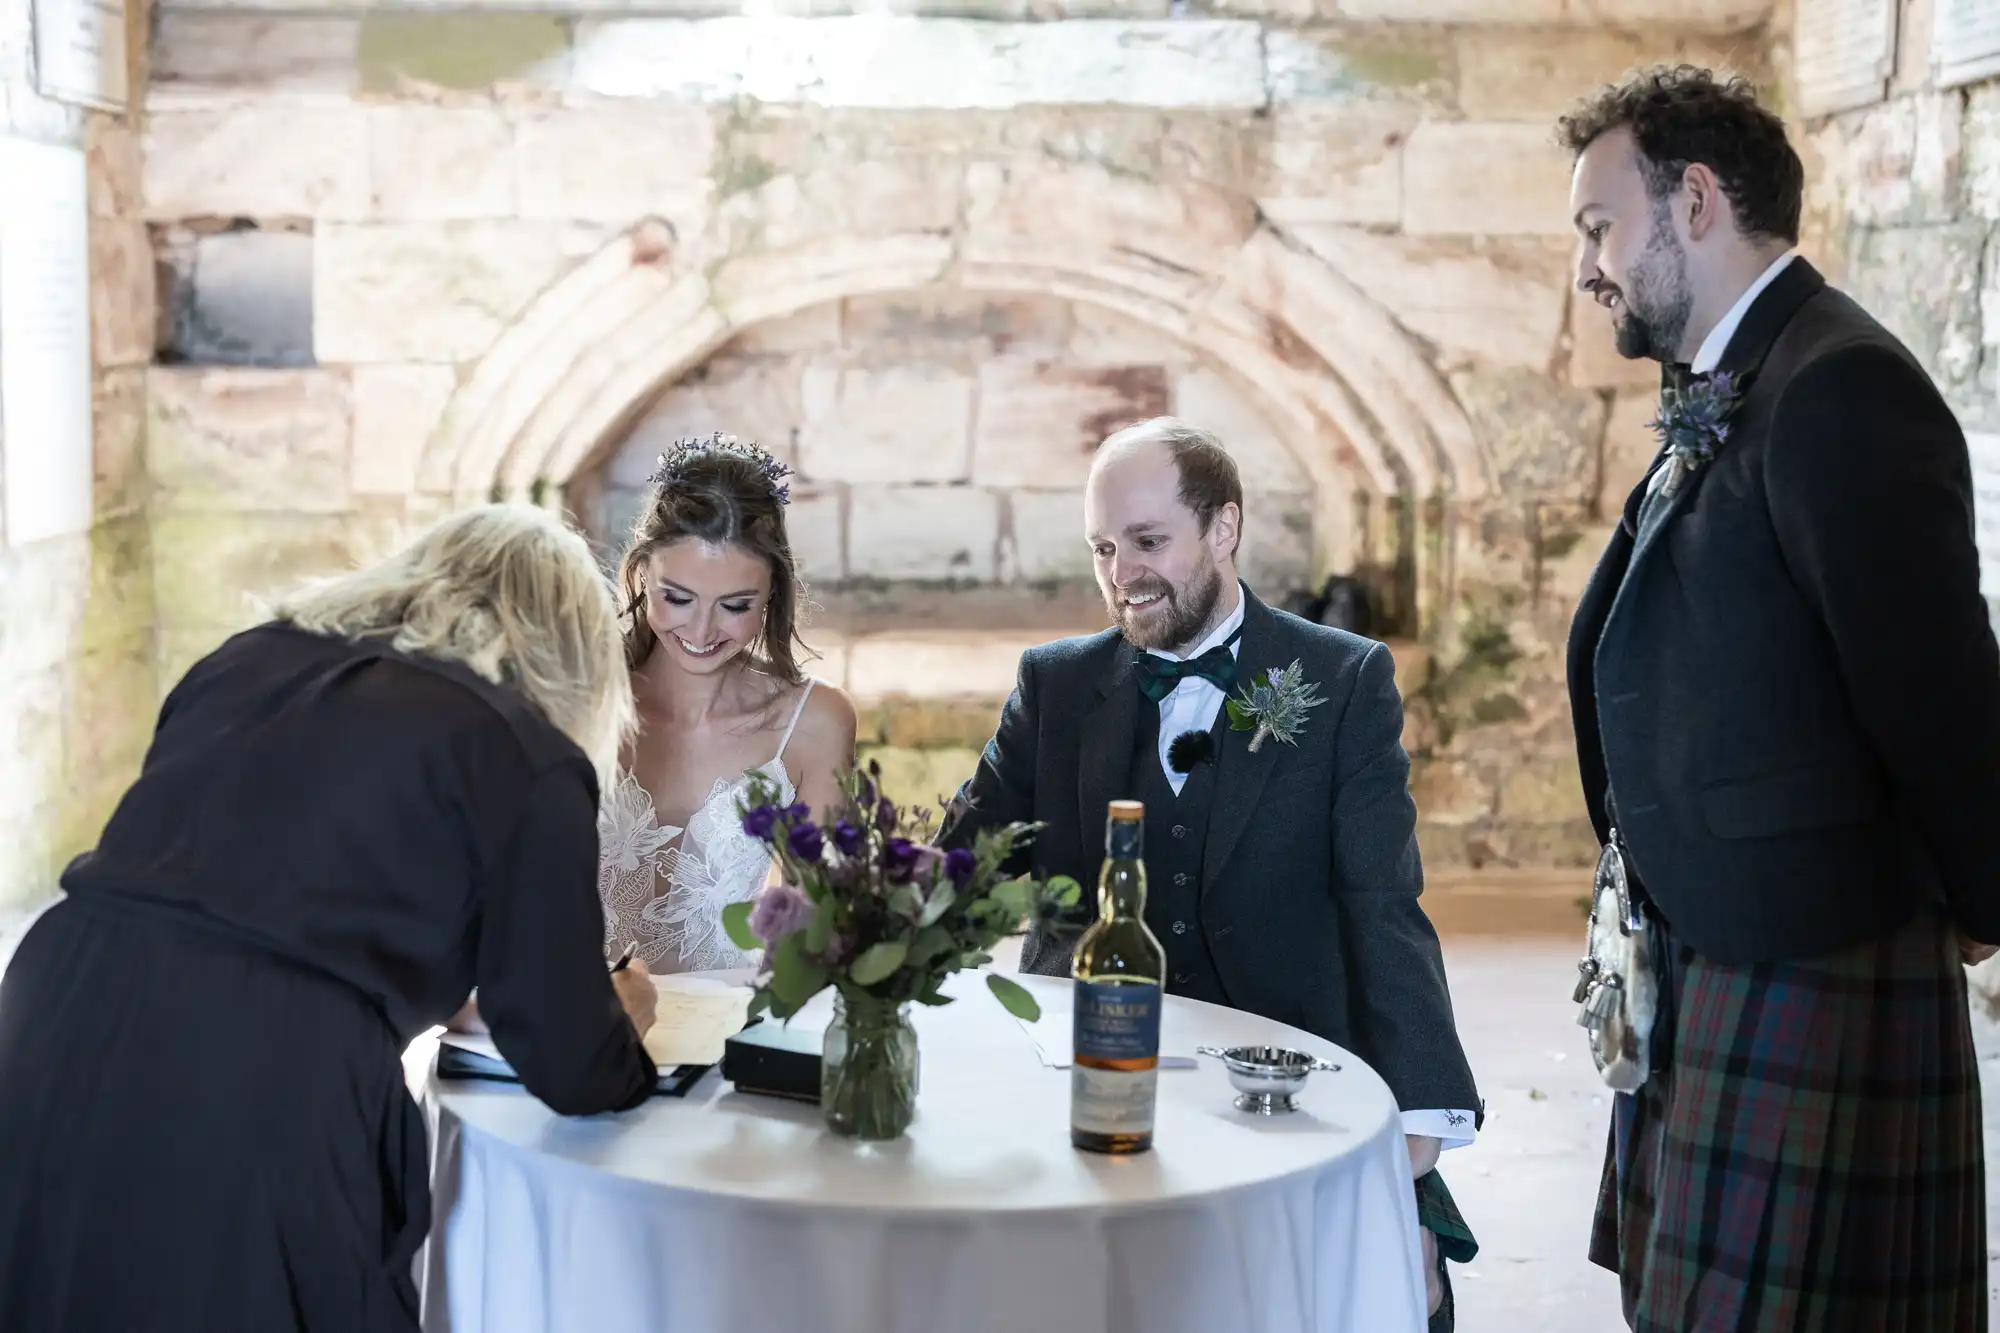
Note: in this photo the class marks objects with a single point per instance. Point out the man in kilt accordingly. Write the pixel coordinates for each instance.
(1787, 704)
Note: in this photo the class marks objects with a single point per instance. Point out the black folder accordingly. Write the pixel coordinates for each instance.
(455, 1062)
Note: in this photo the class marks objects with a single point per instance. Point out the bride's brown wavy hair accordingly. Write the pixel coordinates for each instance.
(725, 494)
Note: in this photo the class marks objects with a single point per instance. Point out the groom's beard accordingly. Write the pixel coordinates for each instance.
(1170, 624)
(1657, 301)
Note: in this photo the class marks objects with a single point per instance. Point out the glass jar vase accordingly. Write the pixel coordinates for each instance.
(868, 1069)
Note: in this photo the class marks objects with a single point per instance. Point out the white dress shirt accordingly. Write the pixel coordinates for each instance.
(1192, 706)
(1709, 355)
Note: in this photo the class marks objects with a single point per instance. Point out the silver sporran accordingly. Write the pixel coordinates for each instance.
(1617, 988)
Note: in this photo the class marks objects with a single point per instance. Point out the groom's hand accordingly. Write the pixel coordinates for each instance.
(1423, 1154)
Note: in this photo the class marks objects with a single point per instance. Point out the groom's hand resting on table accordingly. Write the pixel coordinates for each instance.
(637, 993)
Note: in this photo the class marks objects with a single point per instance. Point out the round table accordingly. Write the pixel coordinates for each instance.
(727, 1212)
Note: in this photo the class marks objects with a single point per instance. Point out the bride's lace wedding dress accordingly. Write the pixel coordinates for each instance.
(664, 887)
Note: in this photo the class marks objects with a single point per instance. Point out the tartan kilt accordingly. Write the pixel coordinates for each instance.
(1807, 1153)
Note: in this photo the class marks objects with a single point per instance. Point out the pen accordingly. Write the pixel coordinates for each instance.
(625, 957)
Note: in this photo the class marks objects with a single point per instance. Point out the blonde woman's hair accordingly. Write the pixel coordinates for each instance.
(511, 593)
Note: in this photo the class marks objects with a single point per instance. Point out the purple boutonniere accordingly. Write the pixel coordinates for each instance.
(1693, 423)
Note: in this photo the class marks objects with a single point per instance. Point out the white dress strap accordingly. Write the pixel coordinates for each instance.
(797, 713)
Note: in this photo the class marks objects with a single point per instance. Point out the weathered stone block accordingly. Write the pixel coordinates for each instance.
(815, 329)
(904, 723)
(1450, 792)
(1629, 447)
(1449, 11)
(395, 410)
(615, 163)
(177, 650)
(886, 424)
(815, 523)
(250, 439)
(929, 533)
(1899, 161)
(1484, 180)
(409, 53)
(921, 63)
(1923, 284)
(32, 709)
(860, 198)
(953, 325)
(1276, 554)
(113, 167)
(118, 443)
(247, 300)
(121, 292)
(1594, 362)
(1981, 150)
(1046, 537)
(438, 291)
(111, 699)
(1264, 462)
(1543, 439)
(1040, 422)
(970, 664)
(1389, 62)
(212, 58)
(1501, 301)
(755, 401)
(257, 160)
(1104, 337)
(213, 571)
(1513, 74)
(1339, 162)
(436, 163)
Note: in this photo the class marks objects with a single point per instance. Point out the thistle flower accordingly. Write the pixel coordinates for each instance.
(1275, 704)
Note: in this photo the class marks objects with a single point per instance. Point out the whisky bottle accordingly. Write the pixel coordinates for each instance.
(1119, 967)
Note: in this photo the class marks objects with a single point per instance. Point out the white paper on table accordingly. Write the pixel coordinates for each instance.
(692, 1019)
(1053, 1043)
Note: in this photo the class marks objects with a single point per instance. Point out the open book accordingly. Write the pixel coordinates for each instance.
(694, 1016)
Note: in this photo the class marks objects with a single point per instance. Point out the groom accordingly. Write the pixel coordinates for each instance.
(1282, 882)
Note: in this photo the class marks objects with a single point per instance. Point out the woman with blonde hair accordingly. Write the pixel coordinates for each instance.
(349, 816)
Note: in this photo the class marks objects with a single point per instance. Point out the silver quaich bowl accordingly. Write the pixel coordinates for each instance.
(1266, 1078)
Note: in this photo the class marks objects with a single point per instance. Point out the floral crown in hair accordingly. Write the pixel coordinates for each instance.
(674, 462)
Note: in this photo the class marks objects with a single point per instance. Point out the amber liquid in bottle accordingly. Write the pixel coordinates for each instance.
(1118, 969)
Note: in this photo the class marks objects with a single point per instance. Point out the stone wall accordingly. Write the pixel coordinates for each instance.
(413, 259)
(943, 436)
(76, 611)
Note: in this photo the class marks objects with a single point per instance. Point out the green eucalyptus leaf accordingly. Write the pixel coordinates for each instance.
(942, 898)
(736, 923)
(1014, 998)
(878, 962)
(819, 931)
(795, 979)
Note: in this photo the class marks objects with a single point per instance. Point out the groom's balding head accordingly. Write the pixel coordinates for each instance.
(1205, 475)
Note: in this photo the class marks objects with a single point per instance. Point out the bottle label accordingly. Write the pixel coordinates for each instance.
(1112, 1101)
(1124, 839)
(1116, 1022)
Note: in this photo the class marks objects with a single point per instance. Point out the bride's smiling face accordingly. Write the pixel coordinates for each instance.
(705, 601)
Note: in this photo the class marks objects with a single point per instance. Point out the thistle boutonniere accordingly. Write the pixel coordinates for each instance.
(1693, 423)
(1274, 704)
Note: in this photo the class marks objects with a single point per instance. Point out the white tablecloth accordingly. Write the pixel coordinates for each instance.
(729, 1213)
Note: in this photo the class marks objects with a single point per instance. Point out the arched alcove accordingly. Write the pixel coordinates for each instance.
(1327, 367)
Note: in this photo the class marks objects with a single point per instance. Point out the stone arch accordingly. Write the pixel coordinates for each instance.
(1317, 355)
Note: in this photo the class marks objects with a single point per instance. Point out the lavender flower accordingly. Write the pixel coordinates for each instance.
(780, 910)
(760, 823)
(846, 837)
(899, 859)
(807, 842)
(958, 865)
(885, 815)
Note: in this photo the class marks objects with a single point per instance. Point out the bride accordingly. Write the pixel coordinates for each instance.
(711, 598)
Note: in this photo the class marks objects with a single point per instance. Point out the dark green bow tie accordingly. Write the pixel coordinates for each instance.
(1159, 675)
